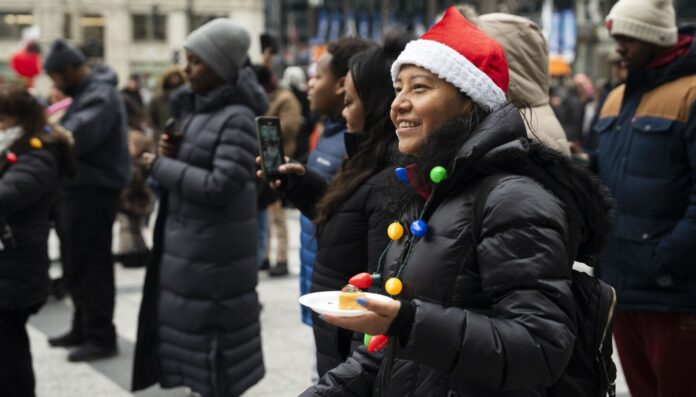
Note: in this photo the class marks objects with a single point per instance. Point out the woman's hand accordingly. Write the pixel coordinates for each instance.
(287, 168)
(375, 321)
(167, 148)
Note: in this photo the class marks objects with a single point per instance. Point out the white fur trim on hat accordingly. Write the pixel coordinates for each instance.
(453, 67)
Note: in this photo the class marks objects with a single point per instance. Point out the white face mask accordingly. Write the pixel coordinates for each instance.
(8, 136)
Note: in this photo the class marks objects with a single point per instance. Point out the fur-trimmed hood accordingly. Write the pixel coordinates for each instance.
(498, 145)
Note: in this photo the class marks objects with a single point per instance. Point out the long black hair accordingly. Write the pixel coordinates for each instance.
(371, 75)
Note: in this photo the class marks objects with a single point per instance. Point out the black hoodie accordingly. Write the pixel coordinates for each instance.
(97, 119)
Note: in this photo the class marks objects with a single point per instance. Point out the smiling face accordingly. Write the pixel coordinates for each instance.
(353, 110)
(423, 103)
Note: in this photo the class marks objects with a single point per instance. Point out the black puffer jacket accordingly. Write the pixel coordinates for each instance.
(498, 318)
(199, 319)
(349, 243)
(28, 188)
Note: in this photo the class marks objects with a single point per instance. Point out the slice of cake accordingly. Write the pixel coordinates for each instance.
(348, 296)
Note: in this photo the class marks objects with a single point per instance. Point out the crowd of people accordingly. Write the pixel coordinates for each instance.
(442, 171)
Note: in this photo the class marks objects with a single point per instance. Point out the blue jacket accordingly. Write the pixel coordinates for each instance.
(646, 155)
(325, 159)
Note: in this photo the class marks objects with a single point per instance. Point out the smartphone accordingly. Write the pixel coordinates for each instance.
(170, 129)
(270, 146)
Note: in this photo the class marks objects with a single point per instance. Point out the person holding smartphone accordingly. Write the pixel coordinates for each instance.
(199, 318)
(349, 213)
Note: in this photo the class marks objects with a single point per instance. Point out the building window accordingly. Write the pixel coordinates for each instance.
(93, 35)
(150, 27)
(201, 19)
(12, 23)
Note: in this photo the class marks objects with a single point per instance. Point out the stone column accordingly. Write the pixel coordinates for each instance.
(250, 16)
(177, 28)
(118, 37)
(49, 17)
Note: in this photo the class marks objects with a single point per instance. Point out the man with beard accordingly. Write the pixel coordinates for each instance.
(647, 157)
(96, 119)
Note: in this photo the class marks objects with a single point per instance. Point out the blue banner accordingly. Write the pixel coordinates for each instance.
(555, 34)
(376, 28)
(569, 36)
(322, 28)
(335, 29)
(364, 26)
(418, 25)
(350, 28)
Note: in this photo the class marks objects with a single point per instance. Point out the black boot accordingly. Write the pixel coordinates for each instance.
(135, 259)
(280, 269)
(92, 351)
(265, 265)
(71, 339)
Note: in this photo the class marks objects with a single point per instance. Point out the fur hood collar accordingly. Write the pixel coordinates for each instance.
(499, 145)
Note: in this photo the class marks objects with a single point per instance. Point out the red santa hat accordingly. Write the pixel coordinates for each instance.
(457, 51)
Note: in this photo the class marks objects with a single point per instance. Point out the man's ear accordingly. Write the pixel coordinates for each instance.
(340, 88)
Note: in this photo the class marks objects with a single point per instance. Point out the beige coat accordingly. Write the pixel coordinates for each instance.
(527, 56)
(284, 105)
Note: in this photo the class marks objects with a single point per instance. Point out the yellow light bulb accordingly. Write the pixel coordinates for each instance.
(395, 231)
(393, 286)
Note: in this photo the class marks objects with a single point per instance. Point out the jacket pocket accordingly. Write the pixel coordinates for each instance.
(651, 146)
(604, 125)
(638, 239)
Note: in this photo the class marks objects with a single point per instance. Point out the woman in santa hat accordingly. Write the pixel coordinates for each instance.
(479, 265)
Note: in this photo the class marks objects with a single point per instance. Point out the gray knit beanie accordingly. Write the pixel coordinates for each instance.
(222, 45)
(652, 21)
(62, 55)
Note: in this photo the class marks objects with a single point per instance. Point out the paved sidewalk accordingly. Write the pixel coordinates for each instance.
(287, 343)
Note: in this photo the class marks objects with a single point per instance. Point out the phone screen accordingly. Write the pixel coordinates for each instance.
(271, 146)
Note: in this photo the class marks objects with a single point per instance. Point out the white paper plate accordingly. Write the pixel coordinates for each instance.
(327, 303)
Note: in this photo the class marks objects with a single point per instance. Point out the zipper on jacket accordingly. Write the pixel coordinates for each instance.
(610, 384)
(184, 126)
(388, 361)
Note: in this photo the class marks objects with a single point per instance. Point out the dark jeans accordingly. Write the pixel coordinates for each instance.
(88, 215)
(16, 373)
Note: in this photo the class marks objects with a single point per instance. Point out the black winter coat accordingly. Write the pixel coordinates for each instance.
(349, 243)
(28, 188)
(199, 319)
(493, 319)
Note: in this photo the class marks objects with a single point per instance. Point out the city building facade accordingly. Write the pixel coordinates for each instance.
(304, 23)
(133, 36)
